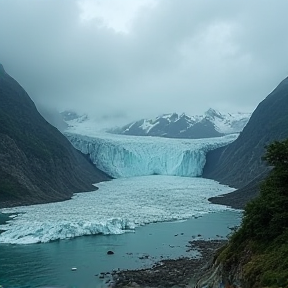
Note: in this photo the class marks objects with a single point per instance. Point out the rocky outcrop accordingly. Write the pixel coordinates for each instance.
(220, 275)
(38, 163)
(216, 277)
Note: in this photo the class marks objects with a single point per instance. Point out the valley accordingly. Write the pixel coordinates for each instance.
(143, 144)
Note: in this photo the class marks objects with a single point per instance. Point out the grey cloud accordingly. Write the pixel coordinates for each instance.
(178, 56)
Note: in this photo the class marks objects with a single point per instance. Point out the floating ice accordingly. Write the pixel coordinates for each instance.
(118, 206)
(127, 156)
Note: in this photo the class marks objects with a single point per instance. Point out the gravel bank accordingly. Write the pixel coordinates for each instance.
(181, 272)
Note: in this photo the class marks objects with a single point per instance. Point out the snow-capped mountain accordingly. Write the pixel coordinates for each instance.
(211, 124)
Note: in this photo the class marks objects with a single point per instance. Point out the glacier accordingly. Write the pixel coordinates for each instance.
(130, 156)
(118, 206)
(134, 198)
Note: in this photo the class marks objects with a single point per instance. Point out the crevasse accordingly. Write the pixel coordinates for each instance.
(127, 156)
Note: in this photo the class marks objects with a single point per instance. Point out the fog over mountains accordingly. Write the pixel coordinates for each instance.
(211, 124)
(38, 164)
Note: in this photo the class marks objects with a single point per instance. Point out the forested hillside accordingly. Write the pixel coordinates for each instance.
(257, 254)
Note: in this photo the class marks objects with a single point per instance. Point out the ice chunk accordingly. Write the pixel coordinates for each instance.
(118, 206)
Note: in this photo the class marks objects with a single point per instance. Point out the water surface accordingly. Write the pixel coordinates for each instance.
(49, 264)
(119, 206)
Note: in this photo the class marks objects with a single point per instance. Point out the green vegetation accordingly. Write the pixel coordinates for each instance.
(260, 245)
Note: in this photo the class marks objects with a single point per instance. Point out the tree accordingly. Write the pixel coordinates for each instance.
(277, 154)
(259, 248)
(266, 217)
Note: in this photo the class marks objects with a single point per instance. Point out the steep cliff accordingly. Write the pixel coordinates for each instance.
(38, 164)
(240, 162)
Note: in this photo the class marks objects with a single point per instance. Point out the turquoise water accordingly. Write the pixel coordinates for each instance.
(49, 264)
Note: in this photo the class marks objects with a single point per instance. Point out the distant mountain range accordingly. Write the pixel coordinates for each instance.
(211, 124)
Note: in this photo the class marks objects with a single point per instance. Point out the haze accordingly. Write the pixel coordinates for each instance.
(143, 58)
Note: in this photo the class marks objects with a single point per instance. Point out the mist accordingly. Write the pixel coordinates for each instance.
(145, 58)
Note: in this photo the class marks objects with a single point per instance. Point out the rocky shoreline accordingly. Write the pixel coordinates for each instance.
(181, 272)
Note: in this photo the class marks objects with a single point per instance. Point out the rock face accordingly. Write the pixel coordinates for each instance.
(211, 124)
(38, 164)
(216, 277)
(240, 162)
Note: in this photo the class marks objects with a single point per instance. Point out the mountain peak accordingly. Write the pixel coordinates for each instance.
(173, 117)
(211, 124)
(213, 113)
(2, 70)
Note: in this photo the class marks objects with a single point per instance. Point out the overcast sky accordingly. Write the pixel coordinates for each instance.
(142, 58)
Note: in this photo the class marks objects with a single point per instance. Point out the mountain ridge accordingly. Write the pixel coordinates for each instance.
(211, 124)
(240, 163)
(38, 163)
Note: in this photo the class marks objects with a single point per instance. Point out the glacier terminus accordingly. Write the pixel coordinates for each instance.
(129, 156)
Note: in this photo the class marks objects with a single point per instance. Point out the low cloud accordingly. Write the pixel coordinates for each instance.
(183, 56)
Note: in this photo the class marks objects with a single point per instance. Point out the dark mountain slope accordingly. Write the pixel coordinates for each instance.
(38, 164)
(53, 117)
(240, 162)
